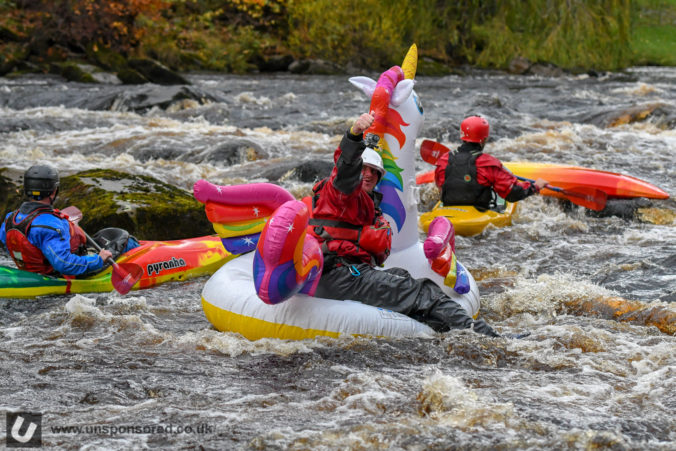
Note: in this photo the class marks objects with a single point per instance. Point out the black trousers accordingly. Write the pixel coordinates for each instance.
(395, 289)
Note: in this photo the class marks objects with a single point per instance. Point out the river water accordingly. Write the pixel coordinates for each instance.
(589, 377)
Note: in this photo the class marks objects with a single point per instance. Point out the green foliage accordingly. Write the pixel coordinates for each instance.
(201, 42)
(366, 32)
(569, 34)
(487, 33)
(231, 35)
(654, 32)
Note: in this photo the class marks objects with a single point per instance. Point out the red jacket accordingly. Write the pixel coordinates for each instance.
(489, 172)
(345, 218)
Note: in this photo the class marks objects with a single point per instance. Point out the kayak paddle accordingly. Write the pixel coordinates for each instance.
(585, 196)
(125, 275)
(74, 214)
(588, 197)
(431, 151)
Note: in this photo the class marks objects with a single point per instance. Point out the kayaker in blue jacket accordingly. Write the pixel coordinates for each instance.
(41, 239)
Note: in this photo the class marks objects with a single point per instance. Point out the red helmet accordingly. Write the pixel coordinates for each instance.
(474, 129)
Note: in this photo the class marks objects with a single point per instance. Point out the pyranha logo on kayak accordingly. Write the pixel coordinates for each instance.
(162, 266)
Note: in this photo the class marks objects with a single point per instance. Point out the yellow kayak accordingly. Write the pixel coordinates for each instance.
(467, 220)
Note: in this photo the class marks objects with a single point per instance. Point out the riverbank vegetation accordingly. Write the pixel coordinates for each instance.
(241, 36)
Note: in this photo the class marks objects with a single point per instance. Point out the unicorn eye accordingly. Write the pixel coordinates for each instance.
(417, 102)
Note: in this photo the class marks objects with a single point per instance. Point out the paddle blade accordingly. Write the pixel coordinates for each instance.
(425, 177)
(587, 197)
(125, 276)
(431, 151)
(74, 214)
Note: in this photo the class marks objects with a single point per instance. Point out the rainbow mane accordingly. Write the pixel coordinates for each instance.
(398, 117)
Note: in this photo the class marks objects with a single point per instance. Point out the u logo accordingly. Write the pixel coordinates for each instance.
(24, 430)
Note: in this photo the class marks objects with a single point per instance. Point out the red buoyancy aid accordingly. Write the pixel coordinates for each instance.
(370, 243)
(28, 257)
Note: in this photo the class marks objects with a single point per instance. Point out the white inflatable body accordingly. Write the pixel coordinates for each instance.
(230, 300)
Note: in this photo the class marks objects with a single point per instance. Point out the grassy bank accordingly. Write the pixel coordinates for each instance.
(654, 33)
(244, 35)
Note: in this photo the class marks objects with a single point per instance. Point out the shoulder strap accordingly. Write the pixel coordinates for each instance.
(316, 189)
(26, 222)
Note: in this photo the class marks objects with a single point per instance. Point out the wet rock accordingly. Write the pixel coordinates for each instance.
(431, 67)
(129, 76)
(143, 98)
(144, 206)
(623, 208)
(84, 73)
(11, 194)
(274, 63)
(307, 171)
(235, 151)
(315, 67)
(660, 114)
(545, 70)
(106, 58)
(156, 72)
(213, 113)
(519, 65)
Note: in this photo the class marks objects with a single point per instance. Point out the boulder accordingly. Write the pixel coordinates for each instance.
(232, 151)
(156, 72)
(11, 194)
(146, 207)
(307, 171)
(73, 72)
(274, 63)
(129, 76)
(519, 65)
(143, 98)
(315, 67)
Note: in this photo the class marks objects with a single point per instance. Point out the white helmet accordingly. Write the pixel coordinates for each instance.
(372, 159)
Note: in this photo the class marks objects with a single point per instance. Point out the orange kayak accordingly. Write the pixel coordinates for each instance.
(615, 185)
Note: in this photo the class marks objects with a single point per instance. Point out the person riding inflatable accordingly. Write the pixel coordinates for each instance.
(355, 238)
(370, 243)
(41, 239)
(467, 176)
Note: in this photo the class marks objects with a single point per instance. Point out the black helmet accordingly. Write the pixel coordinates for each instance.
(40, 181)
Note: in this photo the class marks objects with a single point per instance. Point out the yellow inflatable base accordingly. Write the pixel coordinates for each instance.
(255, 329)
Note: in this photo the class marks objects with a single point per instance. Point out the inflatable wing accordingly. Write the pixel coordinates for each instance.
(265, 218)
(238, 213)
(287, 259)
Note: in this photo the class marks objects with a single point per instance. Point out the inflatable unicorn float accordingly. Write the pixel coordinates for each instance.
(268, 290)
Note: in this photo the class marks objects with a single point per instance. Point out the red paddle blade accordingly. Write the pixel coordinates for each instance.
(587, 197)
(125, 276)
(425, 177)
(431, 151)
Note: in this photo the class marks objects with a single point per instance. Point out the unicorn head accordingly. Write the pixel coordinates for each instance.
(398, 119)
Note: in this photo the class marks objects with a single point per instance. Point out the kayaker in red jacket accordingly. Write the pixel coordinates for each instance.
(467, 176)
(356, 238)
(41, 239)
